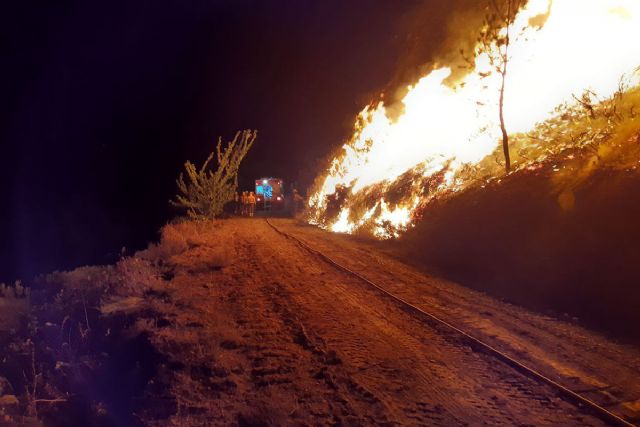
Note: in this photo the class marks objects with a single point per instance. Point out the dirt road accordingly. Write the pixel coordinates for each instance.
(279, 336)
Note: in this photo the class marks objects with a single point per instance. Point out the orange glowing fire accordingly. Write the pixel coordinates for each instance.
(444, 127)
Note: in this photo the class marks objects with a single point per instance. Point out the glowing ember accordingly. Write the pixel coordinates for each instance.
(342, 225)
(583, 44)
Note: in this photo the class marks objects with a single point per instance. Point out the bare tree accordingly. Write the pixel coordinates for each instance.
(494, 40)
(207, 191)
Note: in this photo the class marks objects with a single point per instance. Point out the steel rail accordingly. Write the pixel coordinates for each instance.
(580, 401)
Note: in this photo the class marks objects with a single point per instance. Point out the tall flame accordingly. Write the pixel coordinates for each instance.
(583, 44)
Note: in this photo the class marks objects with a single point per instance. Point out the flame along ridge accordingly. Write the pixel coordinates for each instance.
(446, 138)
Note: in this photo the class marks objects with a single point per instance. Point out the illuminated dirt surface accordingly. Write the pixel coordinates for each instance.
(281, 336)
(577, 358)
(231, 323)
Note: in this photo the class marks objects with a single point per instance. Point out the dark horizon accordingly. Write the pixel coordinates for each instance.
(104, 103)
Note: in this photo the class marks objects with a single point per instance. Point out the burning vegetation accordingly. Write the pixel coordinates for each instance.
(548, 82)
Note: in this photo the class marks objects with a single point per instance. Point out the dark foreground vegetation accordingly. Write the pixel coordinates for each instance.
(80, 348)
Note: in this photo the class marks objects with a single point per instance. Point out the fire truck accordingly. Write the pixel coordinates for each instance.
(269, 194)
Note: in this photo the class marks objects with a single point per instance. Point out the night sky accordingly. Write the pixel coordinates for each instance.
(104, 101)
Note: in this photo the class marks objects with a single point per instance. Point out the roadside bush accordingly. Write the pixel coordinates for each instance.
(197, 244)
(206, 192)
(172, 242)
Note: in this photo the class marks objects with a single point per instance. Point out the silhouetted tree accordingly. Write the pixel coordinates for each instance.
(494, 41)
(207, 191)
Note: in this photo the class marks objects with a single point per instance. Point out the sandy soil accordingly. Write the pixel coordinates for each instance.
(232, 323)
(582, 360)
(278, 336)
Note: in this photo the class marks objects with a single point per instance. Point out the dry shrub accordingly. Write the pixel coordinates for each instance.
(207, 190)
(126, 305)
(135, 276)
(172, 242)
(83, 278)
(195, 245)
(14, 305)
(197, 233)
(178, 237)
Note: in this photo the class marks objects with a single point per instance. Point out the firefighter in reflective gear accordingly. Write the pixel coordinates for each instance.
(244, 203)
(251, 199)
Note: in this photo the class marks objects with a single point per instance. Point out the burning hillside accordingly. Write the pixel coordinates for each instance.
(572, 84)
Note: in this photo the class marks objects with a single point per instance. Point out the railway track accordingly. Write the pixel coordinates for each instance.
(583, 403)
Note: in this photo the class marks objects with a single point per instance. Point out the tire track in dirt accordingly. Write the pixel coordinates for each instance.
(279, 337)
(604, 371)
(462, 386)
(284, 355)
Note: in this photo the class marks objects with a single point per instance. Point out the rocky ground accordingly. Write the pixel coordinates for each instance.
(232, 323)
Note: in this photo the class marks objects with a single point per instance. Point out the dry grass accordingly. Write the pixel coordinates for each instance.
(193, 244)
(607, 135)
(14, 305)
(135, 276)
(11, 311)
(83, 278)
(171, 243)
(177, 238)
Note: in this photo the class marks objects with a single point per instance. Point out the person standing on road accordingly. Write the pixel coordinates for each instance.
(251, 199)
(236, 203)
(244, 203)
